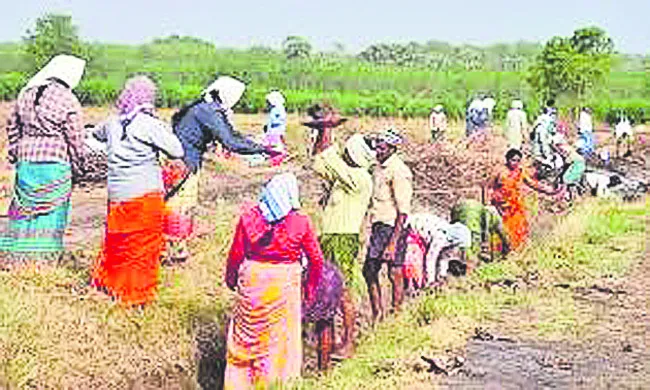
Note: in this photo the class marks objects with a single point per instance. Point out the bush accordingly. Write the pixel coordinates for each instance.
(10, 85)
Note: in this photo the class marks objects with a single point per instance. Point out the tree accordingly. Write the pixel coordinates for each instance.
(296, 47)
(572, 66)
(592, 40)
(54, 34)
(339, 48)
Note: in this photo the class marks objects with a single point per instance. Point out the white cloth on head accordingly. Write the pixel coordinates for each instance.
(438, 108)
(489, 103)
(359, 151)
(585, 123)
(459, 235)
(275, 98)
(476, 104)
(599, 183)
(230, 90)
(279, 196)
(66, 68)
(623, 128)
(517, 105)
(392, 137)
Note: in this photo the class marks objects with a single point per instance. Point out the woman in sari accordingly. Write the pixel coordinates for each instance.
(508, 197)
(45, 134)
(264, 343)
(128, 266)
(197, 126)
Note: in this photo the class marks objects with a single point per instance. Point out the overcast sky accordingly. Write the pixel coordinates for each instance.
(354, 23)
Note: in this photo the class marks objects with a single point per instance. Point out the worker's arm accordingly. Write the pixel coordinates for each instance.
(222, 130)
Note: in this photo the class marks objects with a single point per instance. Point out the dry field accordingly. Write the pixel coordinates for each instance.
(55, 332)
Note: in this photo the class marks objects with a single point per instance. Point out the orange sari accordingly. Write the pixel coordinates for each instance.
(128, 266)
(508, 197)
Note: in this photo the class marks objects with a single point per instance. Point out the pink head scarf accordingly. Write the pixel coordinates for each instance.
(139, 94)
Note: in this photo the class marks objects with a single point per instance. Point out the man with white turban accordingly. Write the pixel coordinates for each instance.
(199, 125)
(45, 133)
(350, 188)
(516, 123)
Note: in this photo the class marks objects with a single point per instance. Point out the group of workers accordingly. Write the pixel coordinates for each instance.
(284, 273)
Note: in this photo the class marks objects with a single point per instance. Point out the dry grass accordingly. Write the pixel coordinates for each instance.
(55, 332)
(439, 325)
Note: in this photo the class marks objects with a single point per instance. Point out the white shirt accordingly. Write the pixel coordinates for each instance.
(585, 124)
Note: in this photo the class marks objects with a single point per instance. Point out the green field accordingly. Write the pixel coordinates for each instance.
(183, 66)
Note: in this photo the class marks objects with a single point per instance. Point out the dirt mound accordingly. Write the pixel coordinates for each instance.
(446, 172)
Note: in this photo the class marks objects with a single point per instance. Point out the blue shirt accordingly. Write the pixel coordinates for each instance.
(205, 123)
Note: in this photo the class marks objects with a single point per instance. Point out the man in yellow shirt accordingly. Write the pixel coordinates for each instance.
(391, 204)
(350, 188)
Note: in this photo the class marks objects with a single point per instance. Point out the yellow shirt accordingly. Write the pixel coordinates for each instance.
(393, 190)
(349, 195)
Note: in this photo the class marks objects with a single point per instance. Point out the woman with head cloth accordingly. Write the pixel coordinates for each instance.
(197, 126)
(128, 266)
(264, 342)
(45, 134)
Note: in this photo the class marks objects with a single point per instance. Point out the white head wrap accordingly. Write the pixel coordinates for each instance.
(279, 196)
(275, 98)
(438, 108)
(392, 137)
(230, 90)
(426, 225)
(66, 68)
(476, 104)
(459, 234)
(517, 104)
(359, 151)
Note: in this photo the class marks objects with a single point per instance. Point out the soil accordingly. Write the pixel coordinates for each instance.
(614, 355)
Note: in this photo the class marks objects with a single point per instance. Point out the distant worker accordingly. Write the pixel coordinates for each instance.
(489, 103)
(574, 166)
(586, 141)
(276, 128)
(541, 136)
(437, 122)
(476, 117)
(516, 123)
(624, 133)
